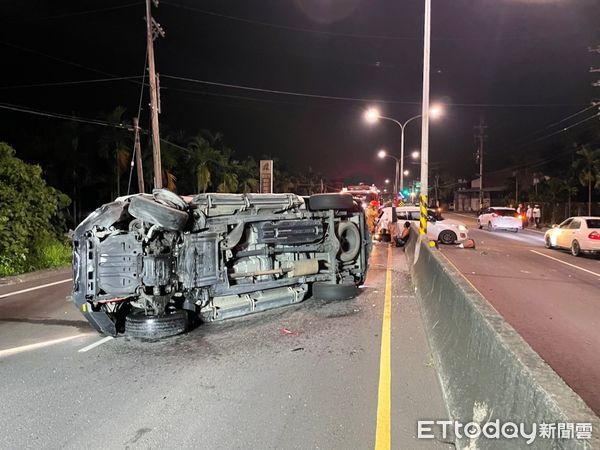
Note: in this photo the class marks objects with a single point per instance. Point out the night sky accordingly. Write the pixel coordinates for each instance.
(519, 64)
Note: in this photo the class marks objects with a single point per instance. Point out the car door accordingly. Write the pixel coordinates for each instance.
(572, 231)
(484, 217)
(561, 233)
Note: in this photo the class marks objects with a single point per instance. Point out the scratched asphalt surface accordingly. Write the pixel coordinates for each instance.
(554, 305)
(243, 383)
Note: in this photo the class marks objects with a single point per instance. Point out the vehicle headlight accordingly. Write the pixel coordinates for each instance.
(462, 228)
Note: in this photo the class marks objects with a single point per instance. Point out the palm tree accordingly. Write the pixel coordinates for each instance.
(116, 140)
(588, 166)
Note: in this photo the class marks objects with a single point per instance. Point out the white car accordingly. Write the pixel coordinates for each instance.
(446, 231)
(498, 218)
(578, 234)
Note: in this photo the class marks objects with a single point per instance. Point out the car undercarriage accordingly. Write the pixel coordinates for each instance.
(154, 265)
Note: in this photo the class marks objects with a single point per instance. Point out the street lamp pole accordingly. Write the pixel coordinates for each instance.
(402, 127)
(425, 114)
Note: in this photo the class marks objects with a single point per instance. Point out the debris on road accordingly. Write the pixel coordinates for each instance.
(287, 332)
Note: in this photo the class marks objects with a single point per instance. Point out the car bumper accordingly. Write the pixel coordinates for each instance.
(590, 246)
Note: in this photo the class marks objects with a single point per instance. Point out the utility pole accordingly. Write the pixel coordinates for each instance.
(153, 30)
(480, 137)
(138, 155)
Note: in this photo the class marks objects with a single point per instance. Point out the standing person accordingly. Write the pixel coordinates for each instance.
(529, 215)
(521, 213)
(371, 214)
(537, 215)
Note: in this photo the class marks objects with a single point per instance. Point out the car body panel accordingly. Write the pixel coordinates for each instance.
(234, 254)
(500, 218)
(575, 228)
(434, 227)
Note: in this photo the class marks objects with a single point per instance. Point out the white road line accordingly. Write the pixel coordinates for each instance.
(95, 344)
(566, 263)
(25, 348)
(22, 291)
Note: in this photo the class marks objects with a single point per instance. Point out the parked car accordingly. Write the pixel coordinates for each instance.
(578, 234)
(498, 218)
(446, 231)
(152, 265)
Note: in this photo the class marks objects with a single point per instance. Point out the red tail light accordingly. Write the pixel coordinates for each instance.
(494, 215)
(594, 235)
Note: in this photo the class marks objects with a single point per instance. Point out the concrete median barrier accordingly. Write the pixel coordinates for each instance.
(487, 371)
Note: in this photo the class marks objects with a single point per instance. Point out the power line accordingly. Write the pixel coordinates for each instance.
(62, 60)
(332, 33)
(280, 92)
(83, 13)
(53, 115)
(356, 99)
(67, 83)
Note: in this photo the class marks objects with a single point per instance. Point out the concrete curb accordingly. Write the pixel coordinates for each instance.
(487, 371)
(33, 276)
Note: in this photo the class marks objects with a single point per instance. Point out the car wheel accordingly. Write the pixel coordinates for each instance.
(447, 237)
(547, 242)
(139, 325)
(350, 241)
(150, 211)
(479, 224)
(328, 291)
(515, 230)
(321, 202)
(489, 226)
(575, 249)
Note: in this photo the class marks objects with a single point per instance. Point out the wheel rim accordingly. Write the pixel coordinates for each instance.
(349, 237)
(447, 237)
(575, 248)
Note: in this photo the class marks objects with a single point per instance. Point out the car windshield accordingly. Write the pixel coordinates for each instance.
(593, 223)
(506, 212)
(435, 214)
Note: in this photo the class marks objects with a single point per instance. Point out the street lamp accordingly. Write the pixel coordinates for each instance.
(387, 181)
(415, 154)
(372, 116)
(406, 173)
(383, 154)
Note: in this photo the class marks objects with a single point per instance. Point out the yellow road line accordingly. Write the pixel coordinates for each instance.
(383, 435)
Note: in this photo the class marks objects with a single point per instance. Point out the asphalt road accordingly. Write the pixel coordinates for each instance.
(550, 297)
(244, 383)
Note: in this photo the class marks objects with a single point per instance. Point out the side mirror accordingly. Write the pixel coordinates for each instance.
(555, 226)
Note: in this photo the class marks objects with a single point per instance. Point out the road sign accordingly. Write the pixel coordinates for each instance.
(266, 176)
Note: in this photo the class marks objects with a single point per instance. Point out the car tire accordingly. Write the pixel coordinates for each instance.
(489, 227)
(350, 240)
(548, 243)
(139, 325)
(328, 291)
(168, 198)
(575, 248)
(150, 211)
(515, 230)
(322, 202)
(447, 237)
(479, 224)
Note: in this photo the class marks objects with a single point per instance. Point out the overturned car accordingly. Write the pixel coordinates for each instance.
(153, 265)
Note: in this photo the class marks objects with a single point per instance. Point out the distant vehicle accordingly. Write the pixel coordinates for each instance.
(150, 265)
(498, 218)
(577, 234)
(446, 231)
(363, 194)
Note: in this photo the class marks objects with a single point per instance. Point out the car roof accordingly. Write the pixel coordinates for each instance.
(585, 217)
(502, 207)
